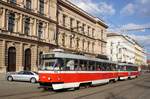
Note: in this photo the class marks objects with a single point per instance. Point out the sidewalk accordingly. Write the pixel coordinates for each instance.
(2, 76)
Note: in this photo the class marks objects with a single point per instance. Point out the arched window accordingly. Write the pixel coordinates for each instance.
(11, 59)
(27, 65)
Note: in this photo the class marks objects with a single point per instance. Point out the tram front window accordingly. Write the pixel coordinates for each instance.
(52, 64)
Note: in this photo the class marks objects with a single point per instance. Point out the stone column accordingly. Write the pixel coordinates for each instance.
(2, 56)
(21, 2)
(20, 24)
(34, 57)
(35, 27)
(46, 31)
(17, 19)
(46, 8)
(3, 18)
(35, 5)
(19, 56)
(31, 26)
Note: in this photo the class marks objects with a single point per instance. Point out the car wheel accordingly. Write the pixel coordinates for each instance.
(10, 78)
(33, 80)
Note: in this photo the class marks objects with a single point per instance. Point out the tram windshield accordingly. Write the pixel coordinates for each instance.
(51, 64)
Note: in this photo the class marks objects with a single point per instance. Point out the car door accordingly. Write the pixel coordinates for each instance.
(19, 76)
(27, 75)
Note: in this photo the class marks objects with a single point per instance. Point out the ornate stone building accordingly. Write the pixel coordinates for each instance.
(29, 28)
(80, 32)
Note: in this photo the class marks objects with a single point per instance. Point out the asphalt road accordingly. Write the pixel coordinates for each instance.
(138, 88)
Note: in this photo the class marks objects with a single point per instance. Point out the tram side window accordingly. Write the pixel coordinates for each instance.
(108, 67)
(128, 68)
(70, 64)
(119, 68)
(76, 65)
(92, 66)
(134, 68)
(52, 64)
(123, 68)
(113, 67)
(83, 64)
(102, 66)
(98, 68)
(59, 64)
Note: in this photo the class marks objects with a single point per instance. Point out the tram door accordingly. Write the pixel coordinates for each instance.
(11, 59)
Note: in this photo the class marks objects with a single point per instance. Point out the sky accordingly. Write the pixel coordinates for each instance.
(122, 15)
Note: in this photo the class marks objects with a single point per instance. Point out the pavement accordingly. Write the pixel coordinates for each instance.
(2, 76)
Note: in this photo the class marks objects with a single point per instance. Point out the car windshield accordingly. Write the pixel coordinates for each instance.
(51, 64)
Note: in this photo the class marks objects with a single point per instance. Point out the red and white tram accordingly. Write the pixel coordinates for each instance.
(64, 70)
(126, 71)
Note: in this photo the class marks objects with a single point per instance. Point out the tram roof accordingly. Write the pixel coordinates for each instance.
(127, 64)
(75, 56)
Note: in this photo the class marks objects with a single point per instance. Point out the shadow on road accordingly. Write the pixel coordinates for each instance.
(113, 96)
(142, 86)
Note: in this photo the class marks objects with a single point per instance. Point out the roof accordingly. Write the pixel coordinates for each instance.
(76, 56)
(80, 11)
(127, 64)
(125, 36)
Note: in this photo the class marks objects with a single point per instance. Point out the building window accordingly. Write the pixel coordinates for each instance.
(27, 25)
(12, 1)
(40, 30)
(83, 28)
(93, 47)
(11, 22)
(64, 20)
(111, 51)
(78, 25)
(102, 34)
(111, 44)
(93, 30)
(83, 41)
(88, 30)
(88, 47)
(71, 23)
(40, 58)
(28, 4)
(41, 7)
(71, 38)
(77, 43)
(63, 39)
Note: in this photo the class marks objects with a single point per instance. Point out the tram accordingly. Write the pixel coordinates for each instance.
(62, 70)
(127, 71)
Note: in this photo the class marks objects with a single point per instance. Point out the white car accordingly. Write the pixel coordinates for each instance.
(30, 76)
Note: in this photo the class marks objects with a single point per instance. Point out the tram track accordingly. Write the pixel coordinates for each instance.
(101, 90)
(27, 95)
(125, 85)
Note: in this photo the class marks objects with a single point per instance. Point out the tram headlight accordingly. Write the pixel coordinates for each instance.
(49, 78)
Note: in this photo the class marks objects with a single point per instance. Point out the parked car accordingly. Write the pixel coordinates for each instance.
(23, 76)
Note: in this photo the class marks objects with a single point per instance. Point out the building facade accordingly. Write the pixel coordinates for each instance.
(122, 48)
(29, 28)
(80, 32)
(140, 55)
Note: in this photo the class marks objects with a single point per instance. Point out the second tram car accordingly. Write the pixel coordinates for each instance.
(127, 71)
(62, 70)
